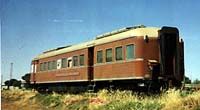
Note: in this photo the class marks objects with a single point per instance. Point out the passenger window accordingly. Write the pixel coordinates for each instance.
(99, 56)
(64, 63)
(118, 53)
(108, 55)
(45, 66)
(59, 63)
(75, 60)
(69, 62)
(54, 64)
(81, 60)
(41, 66)
(49, 65)
(130, 51)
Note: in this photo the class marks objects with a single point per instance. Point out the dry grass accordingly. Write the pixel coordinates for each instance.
(17, 99)
(102, 100)
(173, 100)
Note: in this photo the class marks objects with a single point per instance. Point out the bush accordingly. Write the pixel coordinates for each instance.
(79, 105)
(104, 100)
(50, 100)
(131, 105)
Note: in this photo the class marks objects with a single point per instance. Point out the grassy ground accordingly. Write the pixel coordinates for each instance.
(103, 100)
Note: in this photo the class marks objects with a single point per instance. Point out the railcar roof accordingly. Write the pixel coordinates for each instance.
(104, 38)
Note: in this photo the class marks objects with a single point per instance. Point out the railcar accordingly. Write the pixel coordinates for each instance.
(129, 58)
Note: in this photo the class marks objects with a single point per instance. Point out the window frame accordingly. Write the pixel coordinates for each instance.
(122, 53)
(106, 59)
(41, 66)
(49, 63)
(133, 56)
(64, 63)
(44, 66)
(75, 63)
(81, 61)
(99, 60)
(69, 62)
(54, 65)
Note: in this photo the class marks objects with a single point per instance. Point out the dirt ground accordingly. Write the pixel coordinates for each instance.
(18, 100)
(13, 105)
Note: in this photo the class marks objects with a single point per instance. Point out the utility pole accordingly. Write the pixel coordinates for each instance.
(1, 81)
(11, 70)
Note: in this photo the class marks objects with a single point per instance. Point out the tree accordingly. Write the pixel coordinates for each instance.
(26, 78)
(196, 81)
(13, 82)
(7, 83)
(187, 80)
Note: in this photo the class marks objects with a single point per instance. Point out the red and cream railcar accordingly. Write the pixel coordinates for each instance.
(123, 58)
(61, 66)
(125, 55)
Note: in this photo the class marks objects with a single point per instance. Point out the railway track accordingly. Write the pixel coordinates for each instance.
(192, 86)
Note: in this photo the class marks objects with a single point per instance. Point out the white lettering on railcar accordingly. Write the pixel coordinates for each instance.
(67, 74)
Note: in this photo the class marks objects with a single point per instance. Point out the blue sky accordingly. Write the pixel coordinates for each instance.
(30, 27)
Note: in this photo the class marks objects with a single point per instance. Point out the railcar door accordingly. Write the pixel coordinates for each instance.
(181, 60)
(90, 62)
(169, 49)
